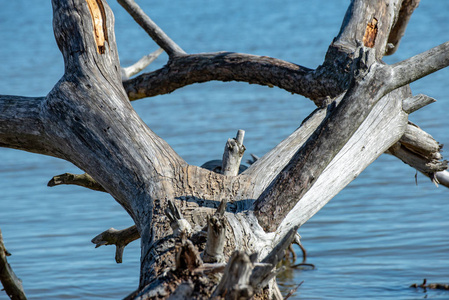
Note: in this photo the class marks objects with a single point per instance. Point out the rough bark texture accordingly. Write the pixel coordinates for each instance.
(87, 119)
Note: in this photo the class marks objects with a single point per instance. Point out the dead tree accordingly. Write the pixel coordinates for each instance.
(87, 119)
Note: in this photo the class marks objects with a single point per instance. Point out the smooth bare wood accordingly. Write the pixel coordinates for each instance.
(420, 65)
(420, 142)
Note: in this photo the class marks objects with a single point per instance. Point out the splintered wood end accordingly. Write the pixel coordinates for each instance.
(370, 33)
(99, 23)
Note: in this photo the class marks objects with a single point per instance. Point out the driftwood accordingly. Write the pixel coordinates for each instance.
(87, 119)
(11, 283)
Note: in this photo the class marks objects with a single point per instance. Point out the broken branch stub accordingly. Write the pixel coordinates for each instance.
(233, 154)
(216, 236)
(120, 238)
(235, 281)
(177, 222)
(84, 180)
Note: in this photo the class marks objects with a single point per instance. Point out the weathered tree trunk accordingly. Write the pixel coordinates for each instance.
(87, 119)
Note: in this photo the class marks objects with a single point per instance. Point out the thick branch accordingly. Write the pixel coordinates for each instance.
(21, 125)
(11, 284)
(295, 180)
(412, 104)
(328, 81)
(156, 33)
(97, 128)
(382, 128)
(222, 66)
(359, 15)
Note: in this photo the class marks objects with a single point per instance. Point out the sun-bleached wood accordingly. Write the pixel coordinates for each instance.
(87, 119)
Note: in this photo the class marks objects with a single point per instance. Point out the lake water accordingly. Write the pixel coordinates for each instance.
(378, 236)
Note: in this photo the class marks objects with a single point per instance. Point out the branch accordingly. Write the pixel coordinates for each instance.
(420, 65)
(11, 284)
(120, 238)
(323, 146)
(22, 127)
(359, 16)
(84, 180)
(224, 66)
(398, 30)
(156, 33)
(412, 104)
(328, 81)
(140, 64)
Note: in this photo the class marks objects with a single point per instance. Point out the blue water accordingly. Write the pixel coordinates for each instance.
(378, 236)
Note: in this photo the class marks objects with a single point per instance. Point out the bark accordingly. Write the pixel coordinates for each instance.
(87, 119)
